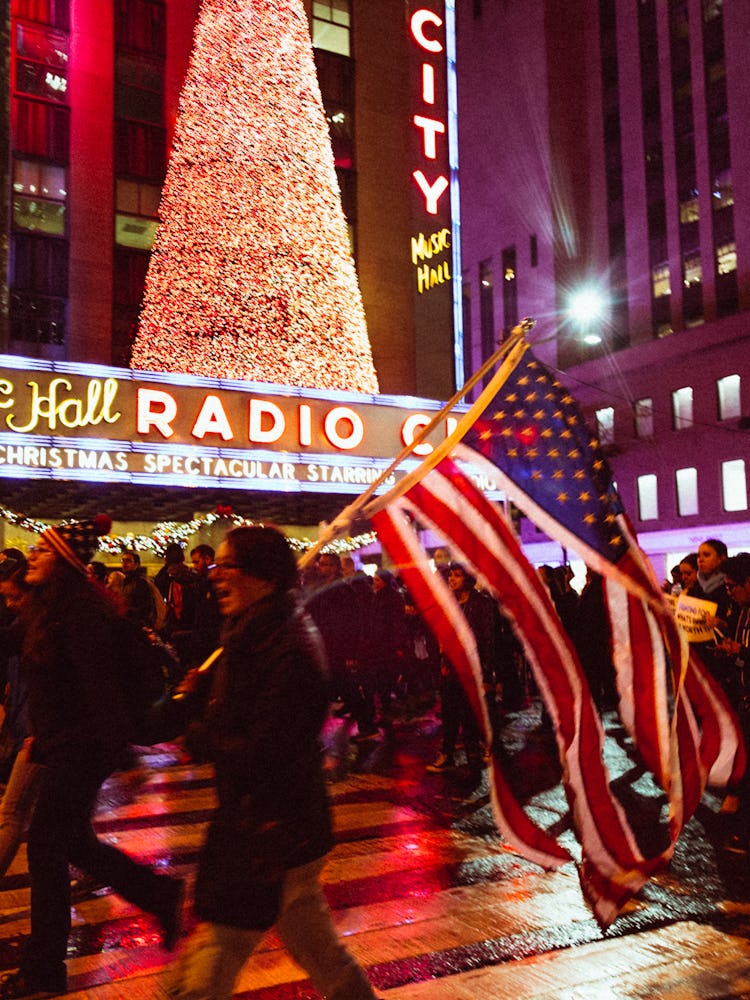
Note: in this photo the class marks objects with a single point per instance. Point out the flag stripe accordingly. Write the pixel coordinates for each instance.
(394, 529)
(453, 506)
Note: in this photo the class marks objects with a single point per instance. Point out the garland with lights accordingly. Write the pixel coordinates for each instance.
(166, 532)
(252, 275)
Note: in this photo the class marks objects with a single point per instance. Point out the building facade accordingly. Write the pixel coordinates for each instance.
(605, 183)
(93, 90)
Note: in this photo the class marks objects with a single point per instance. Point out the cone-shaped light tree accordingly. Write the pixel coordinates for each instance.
(251, 275)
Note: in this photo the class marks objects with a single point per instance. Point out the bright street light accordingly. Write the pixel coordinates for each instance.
(586, 308)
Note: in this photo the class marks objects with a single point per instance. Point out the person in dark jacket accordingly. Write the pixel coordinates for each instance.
(266, 844)
(341, 610)
(386, 638)
(22, 777)
(135, 591)
(455, 709)
(72, 656)
(207, 624)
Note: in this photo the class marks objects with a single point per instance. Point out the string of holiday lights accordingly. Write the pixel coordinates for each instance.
(166, 532)
(252, 275)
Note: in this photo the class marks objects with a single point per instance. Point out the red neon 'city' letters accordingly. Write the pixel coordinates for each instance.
(418, 20)
(428, 83)
(431, 128)
(432, 192)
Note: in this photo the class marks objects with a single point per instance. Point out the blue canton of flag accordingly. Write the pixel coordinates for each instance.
(535, 434)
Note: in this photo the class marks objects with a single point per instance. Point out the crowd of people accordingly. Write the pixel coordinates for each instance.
(292, 647)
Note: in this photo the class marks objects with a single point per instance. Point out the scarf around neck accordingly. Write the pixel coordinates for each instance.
(710, 583)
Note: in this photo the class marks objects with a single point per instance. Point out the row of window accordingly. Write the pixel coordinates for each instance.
(722, 261)
(733, 491)
(40, 124)
(41, 140)
(728, 407)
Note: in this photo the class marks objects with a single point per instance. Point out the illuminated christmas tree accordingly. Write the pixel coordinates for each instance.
(252, 275)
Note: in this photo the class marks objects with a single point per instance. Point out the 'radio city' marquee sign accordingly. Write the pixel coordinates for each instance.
(72, 421)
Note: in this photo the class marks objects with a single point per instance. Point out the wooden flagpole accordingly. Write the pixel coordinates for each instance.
(513, 347)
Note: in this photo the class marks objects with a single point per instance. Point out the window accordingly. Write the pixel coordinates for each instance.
(40, 45)
(605, 426)
(734, 485)
(686, 481)
(136, 217)
(486, 309)
(728, 397)
(41, 63)
(660, 280)
(643, 412)
(692, 270)
(40, 264)
(38, 215)
(130, 278)
(130, 267)
(648, 508)
(723, 192)
(332, 26)
(141, 25)
(466, 317)
(682, 408)
(54, 12)
(39, 286)
(41, 129)
(510, 289)
(37, 319)
(140, 150)
(726, 258)
(689, 210)
(712, 9)
(340, 129)
(39, 192)
(139, 88)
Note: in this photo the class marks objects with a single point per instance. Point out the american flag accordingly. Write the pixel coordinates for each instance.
(529, 433)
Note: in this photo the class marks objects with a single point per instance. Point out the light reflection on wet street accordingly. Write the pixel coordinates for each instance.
(428, 897)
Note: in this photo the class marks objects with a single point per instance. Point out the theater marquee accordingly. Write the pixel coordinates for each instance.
(86, 422)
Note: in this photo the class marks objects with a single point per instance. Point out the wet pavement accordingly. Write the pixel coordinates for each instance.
(423, 889)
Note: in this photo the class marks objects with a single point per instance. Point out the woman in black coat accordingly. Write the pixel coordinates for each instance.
(267, 842)
(73, 659)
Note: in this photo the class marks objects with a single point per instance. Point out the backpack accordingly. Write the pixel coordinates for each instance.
(160, 605)
(145, 667)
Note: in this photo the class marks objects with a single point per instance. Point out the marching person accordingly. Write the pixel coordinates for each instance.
(207, 622)
(455, 709)
(23, 779)
(79, 729)
(266, 845)
(734, 650)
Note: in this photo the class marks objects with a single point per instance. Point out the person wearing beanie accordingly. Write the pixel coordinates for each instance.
(266, 844)
(74, 659)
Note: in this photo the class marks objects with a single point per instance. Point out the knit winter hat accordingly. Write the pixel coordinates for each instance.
(77, 541)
